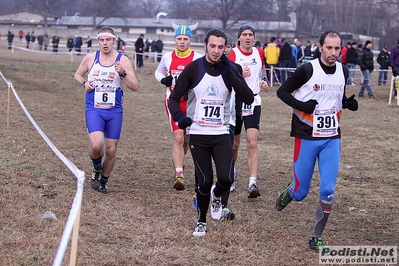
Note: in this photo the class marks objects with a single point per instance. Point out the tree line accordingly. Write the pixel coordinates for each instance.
(375, 18)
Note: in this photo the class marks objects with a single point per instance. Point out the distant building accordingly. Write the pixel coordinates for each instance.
(130, 28)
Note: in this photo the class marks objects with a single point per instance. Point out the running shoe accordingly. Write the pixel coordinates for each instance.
(316, 243)
(228, 214)
(103, 188)
(216, 205)
(179, 182)
(253, 191)
(284, 198)
(200, 229)
(95, 178)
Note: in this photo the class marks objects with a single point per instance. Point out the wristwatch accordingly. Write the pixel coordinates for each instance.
(124, 74)
(83, 83)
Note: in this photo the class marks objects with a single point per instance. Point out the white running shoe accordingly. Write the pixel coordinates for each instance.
(216, 205)
(200, 229)
(253, 191)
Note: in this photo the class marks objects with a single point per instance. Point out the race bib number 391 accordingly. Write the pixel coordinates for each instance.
(325, 123)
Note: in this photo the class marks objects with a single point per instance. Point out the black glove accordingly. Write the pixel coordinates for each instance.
(351, 103)
(394, 73)
(167, 81)
(308, 107)
(224, 66)
(182, 120)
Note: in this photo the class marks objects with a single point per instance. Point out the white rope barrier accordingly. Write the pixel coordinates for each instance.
(73, 219)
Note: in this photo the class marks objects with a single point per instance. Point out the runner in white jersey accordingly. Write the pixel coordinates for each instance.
(208, 82)
(106, 69)
(252, 61)
(167, 72)
(319, 88)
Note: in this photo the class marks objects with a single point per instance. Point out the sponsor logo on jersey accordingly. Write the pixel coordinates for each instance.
(96, 72)
(316, 87)
(212, 90)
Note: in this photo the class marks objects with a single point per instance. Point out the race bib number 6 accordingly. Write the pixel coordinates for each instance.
(104, 98)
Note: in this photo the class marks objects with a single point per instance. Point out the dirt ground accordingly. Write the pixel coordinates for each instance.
(144, 221)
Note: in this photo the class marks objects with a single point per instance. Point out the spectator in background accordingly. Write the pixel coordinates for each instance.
(10, 38)
(140, 46)
(89, 43)
(279, 43)
(383, 61)
(21, 35)
(46, 41)
(70, 43)
(300, 53)
(147, 48)
(359, 48)
(307, 52)
(78, 44)
(159, 46)
(27, 38)
(394, 61)
(366, 63)
(272, 53)
(120, 45)
(313, 48)
(55, 41)
(344, 51)
(316, 51)
(153, 50)
(40, 40)
(32, 40)
(351, 62)
(294, 54)
(285, 60)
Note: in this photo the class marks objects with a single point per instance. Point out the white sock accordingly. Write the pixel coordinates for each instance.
(179, 170)
(252, 180)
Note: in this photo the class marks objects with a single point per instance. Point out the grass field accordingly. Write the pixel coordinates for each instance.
(144, 221)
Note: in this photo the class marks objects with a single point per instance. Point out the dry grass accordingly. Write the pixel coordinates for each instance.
(143, 221)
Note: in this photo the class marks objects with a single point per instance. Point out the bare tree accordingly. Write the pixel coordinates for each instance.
(180, 9)
(310, 16)
(104, 9)
(230, 11)
(44, 8)
(150, 8)
(285, 7)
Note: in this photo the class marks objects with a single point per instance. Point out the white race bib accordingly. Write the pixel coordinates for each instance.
(247, 109)
(325, 123)
(104, 98)
(211, 112)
